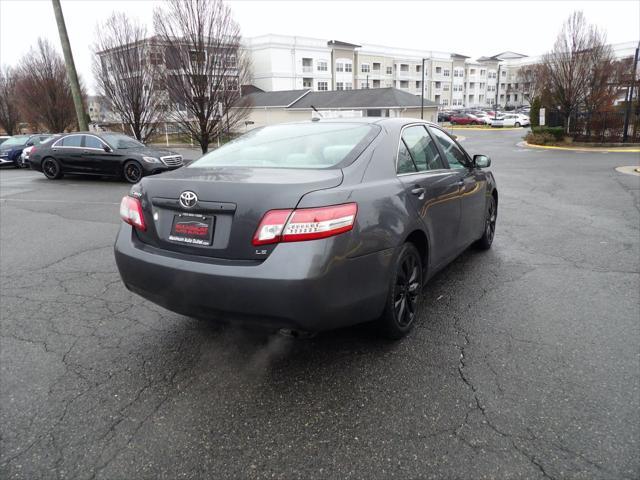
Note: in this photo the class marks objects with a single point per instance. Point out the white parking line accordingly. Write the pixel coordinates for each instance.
(83, 202)
(4, 179)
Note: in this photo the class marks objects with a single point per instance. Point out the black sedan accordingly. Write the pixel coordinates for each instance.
(308, 226)
(105, 154)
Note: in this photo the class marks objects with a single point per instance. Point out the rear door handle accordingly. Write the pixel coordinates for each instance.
(419, 191)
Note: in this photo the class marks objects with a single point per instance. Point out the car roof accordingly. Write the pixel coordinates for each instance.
(384, 121)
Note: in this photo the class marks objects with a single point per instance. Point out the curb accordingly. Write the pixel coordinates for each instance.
(582, 149)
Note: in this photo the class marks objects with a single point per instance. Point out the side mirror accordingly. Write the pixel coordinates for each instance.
(481, 161)
(29, 144)
(107, 148)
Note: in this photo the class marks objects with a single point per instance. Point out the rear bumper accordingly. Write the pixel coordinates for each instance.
(301, 285)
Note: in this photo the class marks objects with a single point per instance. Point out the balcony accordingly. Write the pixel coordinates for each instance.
(307, 68)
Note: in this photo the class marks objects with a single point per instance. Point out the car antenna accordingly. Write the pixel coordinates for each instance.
(316, 119)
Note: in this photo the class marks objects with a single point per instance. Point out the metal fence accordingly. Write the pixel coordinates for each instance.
(601, 127)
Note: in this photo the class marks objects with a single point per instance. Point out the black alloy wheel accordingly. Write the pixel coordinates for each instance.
(403, 301)
(132, 172)
(51, 168)
(489, 225)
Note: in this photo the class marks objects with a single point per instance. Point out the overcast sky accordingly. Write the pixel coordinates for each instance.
(472, 28)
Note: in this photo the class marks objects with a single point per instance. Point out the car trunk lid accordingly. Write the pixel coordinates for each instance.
(231, 201)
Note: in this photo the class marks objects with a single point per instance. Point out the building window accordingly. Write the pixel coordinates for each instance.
(503, 73)
(376, 84)
(348, 86)
(445, 102)
(322, 66)
(404, 67)
(307, 64)
(483, 73)
(445, 87)
(389, 70)
(339, 67)
(323, 86)
(438, 85)
(446, 72)
(156, 58)
(197, 56)
(417, 84)
(438, 69)
(456, 73)
(376, 67)
(307, 82)
(472, 71)
(348, 67)
(363, 85)
(472, 85)
(404, 83)
(339, 86)
(364, 68)
(418, 68)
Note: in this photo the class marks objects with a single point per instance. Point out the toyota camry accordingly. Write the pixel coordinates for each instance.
(308, 226)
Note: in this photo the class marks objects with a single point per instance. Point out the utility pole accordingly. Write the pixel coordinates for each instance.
(71, 68)
(422, 93)
(497, 93)
(627, 111)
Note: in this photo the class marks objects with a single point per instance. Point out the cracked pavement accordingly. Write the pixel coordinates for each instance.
(524, 364)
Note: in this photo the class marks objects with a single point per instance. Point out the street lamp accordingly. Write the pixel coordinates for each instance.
(495, 113)
(422, 93)
(627, 112)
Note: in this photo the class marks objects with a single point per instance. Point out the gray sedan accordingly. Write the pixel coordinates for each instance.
(308, 226)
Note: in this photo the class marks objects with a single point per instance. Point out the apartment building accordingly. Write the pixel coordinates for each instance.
(451, 80)
(281, 62)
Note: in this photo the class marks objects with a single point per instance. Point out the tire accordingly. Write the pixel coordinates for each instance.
(132, 171)
(17, 163)
(489, 225)
(517, 124)
(403, 300)
(51, 168)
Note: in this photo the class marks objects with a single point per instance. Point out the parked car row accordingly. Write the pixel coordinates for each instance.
(88, 153)
(485, 117)
(12, 148)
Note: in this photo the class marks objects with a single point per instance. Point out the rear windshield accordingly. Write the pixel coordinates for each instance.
(307, 145)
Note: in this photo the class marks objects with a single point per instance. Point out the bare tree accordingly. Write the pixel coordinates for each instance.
(534, 80)
(126, 73)
(44, 90)
(204, 66)
(570, 64)
(9, 114)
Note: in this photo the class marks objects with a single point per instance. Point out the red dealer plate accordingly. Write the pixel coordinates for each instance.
(192, 229)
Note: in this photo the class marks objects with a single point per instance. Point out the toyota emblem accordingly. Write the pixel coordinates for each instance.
(188, 199)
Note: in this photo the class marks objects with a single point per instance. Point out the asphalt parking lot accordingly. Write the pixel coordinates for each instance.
(525, 363)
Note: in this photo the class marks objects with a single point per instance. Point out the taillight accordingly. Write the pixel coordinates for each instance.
(305, 224)
(131, 212)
